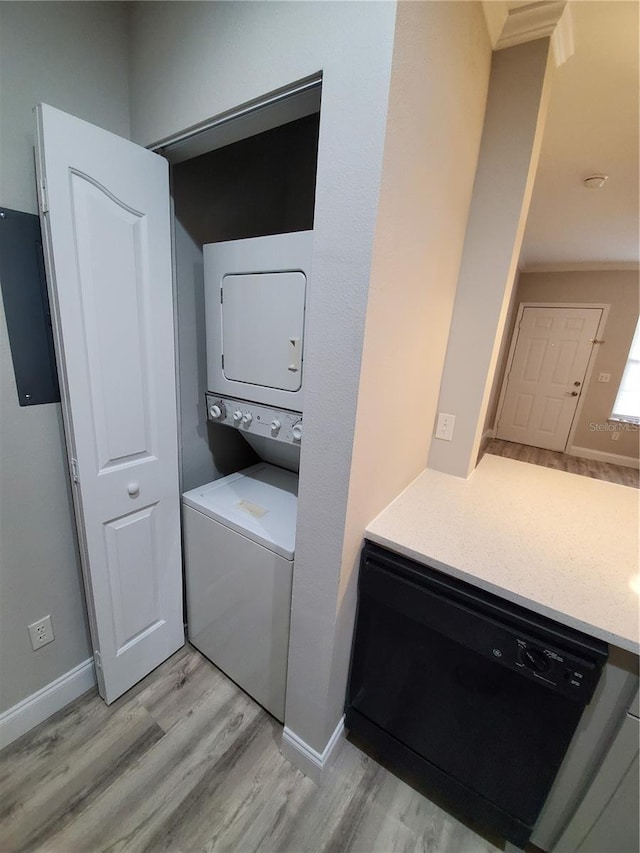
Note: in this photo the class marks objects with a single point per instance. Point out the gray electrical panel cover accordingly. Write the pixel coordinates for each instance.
(26, 307)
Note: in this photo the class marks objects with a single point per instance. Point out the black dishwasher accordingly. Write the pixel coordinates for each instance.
(474, 697)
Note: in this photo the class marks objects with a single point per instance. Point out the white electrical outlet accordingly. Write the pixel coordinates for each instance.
(41, 633)
(444, 429)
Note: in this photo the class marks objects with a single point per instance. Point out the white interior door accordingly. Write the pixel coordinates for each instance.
(105, 222)
(546, 375)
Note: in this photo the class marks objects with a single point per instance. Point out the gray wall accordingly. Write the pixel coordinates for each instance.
(208, 451)
(436, 113)
(73, 56)
(261, 185)
(191, 61)
(511, 139)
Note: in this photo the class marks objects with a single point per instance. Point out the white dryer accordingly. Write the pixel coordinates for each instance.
(255, 296)
(239, 541)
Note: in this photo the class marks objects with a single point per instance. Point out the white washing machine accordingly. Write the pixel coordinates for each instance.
(239, 540)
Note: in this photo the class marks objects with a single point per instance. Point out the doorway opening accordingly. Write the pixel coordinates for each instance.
(548, 372)
(246, 175)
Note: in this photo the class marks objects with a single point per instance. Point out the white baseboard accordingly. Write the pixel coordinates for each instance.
(602, 456)
(36, 708)
(312, 763)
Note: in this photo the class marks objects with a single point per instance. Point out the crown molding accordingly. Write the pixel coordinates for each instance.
(583, 266)
(513, 22)
(562, 42)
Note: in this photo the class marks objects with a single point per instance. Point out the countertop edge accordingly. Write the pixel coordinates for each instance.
(508, 594)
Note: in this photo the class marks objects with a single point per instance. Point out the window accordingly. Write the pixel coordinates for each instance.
(627, 404)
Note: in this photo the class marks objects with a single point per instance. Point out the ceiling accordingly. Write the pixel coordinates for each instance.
(592, 128)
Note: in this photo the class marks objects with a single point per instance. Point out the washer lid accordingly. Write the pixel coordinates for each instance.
(259, 502)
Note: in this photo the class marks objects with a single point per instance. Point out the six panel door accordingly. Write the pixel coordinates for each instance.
(546, 375)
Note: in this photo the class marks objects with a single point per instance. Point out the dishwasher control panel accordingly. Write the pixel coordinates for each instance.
(277, 424)
(553, 666)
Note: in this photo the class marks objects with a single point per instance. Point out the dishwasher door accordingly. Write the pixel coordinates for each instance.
(478, 699)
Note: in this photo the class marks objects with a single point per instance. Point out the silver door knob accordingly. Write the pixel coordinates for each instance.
(133, 489)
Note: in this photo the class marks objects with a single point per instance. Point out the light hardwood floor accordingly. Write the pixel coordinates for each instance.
(187, 762)
(564, 462)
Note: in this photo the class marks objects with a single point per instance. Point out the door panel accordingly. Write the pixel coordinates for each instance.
(129, 541)
(109, 239)
(546, 375)
(106, 229)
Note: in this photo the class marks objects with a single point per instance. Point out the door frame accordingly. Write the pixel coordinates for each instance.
(276, 108)
(604, 307)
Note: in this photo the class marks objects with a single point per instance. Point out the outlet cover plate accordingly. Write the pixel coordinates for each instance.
(41, 633)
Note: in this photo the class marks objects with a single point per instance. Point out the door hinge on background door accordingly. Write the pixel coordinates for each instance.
(74, 471)
(44, 197)
(99, 673)
(222, 360)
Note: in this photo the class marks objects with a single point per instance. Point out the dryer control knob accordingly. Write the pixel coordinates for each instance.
(247, 418)
(275, 426)
(217, 412)
(296, 432)
(237, 416)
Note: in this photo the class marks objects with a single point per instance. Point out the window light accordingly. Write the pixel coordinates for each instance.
(627, 404)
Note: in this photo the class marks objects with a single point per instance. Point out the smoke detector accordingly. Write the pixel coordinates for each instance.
(595, 182)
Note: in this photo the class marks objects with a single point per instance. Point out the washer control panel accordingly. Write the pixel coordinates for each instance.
(277, 424)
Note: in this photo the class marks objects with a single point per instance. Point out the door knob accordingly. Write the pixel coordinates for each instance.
(133, 489)
(577, 384)
(571, 393)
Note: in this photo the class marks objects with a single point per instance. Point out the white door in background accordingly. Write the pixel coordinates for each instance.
(546, 374)
(105, 220)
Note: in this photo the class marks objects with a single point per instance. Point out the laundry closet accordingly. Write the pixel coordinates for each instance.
(243, 242)
(179, 287)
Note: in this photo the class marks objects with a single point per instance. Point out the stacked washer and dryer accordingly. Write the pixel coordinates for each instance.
(239, 531)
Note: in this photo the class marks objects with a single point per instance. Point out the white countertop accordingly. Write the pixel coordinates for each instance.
(560, 544)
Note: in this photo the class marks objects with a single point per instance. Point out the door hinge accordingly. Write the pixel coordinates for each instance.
(74, 471)
(44, 196)
(221, 296)
(222, 360)
(97, 660)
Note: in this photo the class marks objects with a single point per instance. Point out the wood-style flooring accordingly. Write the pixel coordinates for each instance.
(186, 761)
(564, 462)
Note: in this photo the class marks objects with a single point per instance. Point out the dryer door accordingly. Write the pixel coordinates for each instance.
(255, 292)
(262, 329)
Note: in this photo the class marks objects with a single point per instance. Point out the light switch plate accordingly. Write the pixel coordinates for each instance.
(444, 429)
